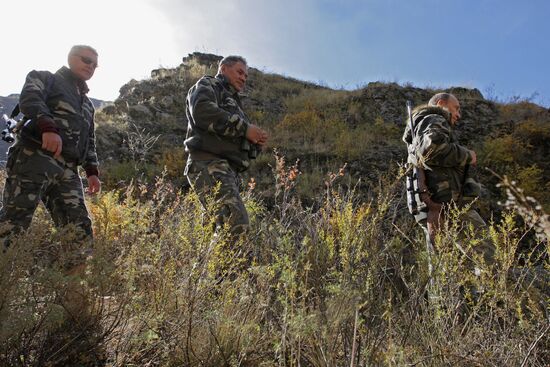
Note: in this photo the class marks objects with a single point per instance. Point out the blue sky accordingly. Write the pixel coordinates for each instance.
(500, 47)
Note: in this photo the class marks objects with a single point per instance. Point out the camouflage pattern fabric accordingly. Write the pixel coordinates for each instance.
(484, 248)
(435, 147)
(217, 123)
(33, 175)
(217, 178)
(72, 112)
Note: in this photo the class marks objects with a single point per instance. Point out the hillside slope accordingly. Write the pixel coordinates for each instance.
(324, 128)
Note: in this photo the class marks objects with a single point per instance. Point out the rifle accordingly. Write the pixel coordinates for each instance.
(416, 179)
(418, 195)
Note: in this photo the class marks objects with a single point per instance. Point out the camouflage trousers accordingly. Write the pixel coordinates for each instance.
(534, 280)
(33, 176)
(215, 179)
(470, 217)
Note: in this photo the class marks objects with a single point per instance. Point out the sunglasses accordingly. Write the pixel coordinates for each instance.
(88, 61)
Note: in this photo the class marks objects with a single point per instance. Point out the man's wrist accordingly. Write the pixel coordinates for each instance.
(469, 156)
(46, 125)
(91, 171)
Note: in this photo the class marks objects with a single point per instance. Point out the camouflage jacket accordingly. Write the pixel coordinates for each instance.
(55, 98)
(216, 122)
(435, 148)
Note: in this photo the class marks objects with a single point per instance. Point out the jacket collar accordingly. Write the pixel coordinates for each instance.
(226, 84)
(419, 113)
(66, 73)
(423, 111)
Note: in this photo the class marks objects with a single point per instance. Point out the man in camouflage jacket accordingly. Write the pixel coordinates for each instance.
(434, 147)
(221, 140)
(57, 138)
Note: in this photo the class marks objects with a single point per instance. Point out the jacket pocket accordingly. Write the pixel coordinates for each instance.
(439, 186)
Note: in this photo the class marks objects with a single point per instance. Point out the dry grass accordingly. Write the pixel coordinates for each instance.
(340, 283)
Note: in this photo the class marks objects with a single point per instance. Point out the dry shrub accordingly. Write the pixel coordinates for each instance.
(335, 283)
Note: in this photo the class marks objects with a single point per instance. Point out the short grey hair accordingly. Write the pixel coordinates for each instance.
(231, 60)
(445, 97)
(75, 50)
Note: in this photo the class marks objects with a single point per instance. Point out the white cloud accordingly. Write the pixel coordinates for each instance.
(291, 37)
(301, 39)
(343, 43)
(131, 36)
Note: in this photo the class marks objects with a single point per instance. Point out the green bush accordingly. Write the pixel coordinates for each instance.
(321, 285)
(308, 131)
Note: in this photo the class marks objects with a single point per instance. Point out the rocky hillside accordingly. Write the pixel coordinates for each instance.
(8, 103)
(324, 128)
(324, 277)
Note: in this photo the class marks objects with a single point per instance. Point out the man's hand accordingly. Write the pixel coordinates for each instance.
(435, 213)
(94, 185)
(474, 158)
(256, 135)
(52, 143)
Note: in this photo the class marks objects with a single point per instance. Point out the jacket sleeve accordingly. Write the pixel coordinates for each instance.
(435, 147)
(91, 163)
(32, 100)
(209, 116)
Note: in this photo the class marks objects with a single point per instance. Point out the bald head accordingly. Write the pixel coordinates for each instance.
(443, 97)
(449, 102)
